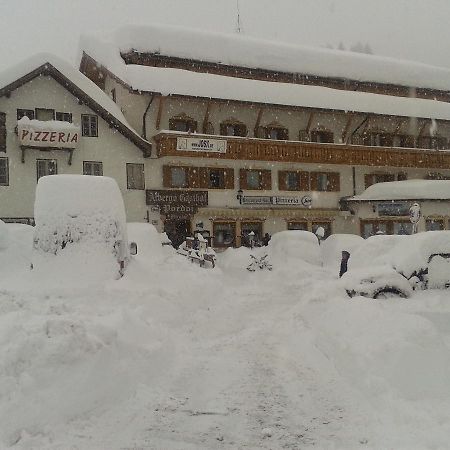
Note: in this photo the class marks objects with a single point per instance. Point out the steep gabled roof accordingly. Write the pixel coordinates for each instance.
(78, 85)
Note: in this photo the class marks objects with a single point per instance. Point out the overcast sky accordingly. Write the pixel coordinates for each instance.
(409, 29)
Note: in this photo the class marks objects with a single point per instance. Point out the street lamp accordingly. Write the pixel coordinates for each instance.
(240, 195)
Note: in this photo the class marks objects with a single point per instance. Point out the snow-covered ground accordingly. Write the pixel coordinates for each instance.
(173, 356)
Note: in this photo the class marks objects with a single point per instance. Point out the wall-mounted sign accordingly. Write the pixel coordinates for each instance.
(201, 145)
(304, 201)
(47, 134)
(393, 209)
(172, 197)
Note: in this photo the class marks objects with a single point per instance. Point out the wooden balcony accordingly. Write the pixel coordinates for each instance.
(239, 148)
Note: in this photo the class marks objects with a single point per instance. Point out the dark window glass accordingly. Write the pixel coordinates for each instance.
(93, 168)
(89, 125)
(4, 172)
(46, 167)
(25, 113)
(63, 116)
(45, 114)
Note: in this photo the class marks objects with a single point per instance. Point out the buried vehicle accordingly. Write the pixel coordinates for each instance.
(81, 220)
(399, 264)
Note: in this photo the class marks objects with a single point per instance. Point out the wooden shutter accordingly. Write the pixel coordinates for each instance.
(266, 180)
(203, 176)
(167, 177)
(282, 185)
(243, 178)
(304, 181)
(314, 181)
(193, 177)
(334, 182)
(228, 176)
(2, 132)
(368, 180)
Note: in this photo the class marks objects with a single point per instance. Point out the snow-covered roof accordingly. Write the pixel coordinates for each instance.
(170, 81)
(47, 63)
(406, 190)
(245, 51)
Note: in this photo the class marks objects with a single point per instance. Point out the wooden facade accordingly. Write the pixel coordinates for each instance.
(308, 152)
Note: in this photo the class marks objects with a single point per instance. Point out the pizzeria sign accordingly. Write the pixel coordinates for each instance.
(53, 134)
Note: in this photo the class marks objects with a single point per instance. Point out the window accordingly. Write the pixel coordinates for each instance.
(224, 234)
(63, 116)
(247, 228)
(402, 227)
(277, 133)
(233, 129)
(183, 123)
(292, 181)
(298, 225)
(25, 113)
(432, 224)
(89, 125)
(46, 167)
(255, 179)
(325, 181)
(373, 178)
(178, 177)
(216, 179)
(2, 132)
(92, 168)
(45, 114)
(322, 136)
(135, 176)
(4, 172)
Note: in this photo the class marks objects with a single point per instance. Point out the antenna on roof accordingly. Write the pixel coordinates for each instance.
(238, 25)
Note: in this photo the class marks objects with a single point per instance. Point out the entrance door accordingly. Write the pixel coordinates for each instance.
(177, 230)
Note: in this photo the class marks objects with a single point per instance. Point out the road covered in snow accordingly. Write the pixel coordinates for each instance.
(173, 356)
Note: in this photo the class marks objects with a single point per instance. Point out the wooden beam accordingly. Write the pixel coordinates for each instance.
(308, 125)
(160, 110)
(206, 118)
(258, 121)
(347, 128)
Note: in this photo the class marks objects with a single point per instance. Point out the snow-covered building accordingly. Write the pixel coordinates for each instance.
(251, 135)
(384, 207)
(55, 120)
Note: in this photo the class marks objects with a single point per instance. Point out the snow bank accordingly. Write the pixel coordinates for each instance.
(55, 125)
(4, 235)
(332, 247)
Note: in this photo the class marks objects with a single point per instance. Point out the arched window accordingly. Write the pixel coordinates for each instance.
(184, 123)
(233, 127)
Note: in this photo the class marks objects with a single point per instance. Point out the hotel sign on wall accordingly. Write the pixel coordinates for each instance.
(46, 134)
(202, 145)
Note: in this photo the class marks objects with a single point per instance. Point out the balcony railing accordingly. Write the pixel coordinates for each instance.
(238, 148)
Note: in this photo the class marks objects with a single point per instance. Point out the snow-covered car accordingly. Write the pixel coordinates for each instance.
(80, 217)
(376, 282)
(422, 260)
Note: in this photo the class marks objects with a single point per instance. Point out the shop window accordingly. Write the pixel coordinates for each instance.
(432, 224)
(326, 228)
(224, 234)
(254, 179)
(371, 228)
(246, 229)
(183, 123)
(2, 132)
(45, 114)
(373, 178)
(63, 116)
(25, 113)
(4, 172)
(92, 168)
(230, 128)
(402, 227)
(89, 125)
(298, 225)
(322, 136)
(325, 181)
(135, 176)
(276, 132)
(46, 167)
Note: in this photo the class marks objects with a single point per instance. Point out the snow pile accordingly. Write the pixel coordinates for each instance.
(332, 248)
(81, 217)
(54, 125)
(407, 190)
(4, 235)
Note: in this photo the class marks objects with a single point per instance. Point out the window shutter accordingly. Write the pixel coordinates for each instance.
(2, 132)
(266, 180)
(193, 177)
(304, 181)
(228, 176)
(282, 185)
(334, 182)
(314, 181)
(203, 176)
(243, 178)
(167, 178)
(368, 180)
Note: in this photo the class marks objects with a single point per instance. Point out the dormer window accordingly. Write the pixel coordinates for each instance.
(276, 132)
(183, 123)
(233, 128)
(322, 136)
